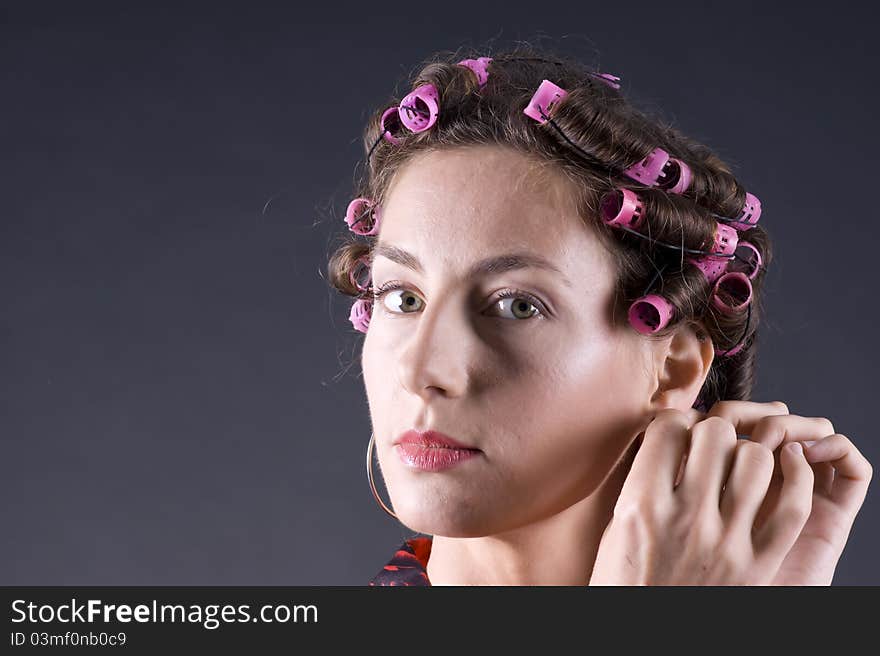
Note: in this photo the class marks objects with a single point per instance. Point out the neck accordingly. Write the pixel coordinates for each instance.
(558, 550)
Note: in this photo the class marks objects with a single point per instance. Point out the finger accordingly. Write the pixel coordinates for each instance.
(852, 471)
(745, 414)
(710, 457)
(823, 475)
(782, 528)
(774, 431)
(659, 457)
(747, 485)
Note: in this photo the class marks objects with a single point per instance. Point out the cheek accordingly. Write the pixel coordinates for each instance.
(578, 412)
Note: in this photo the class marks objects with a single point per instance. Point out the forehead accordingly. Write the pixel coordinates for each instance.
(454, 206)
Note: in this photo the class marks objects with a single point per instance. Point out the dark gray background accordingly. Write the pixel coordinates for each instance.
(181, 398)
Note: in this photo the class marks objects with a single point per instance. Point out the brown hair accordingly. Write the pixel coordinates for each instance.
(599, 120)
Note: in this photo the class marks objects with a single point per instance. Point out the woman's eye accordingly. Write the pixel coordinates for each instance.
(518, 305)
(400, 299)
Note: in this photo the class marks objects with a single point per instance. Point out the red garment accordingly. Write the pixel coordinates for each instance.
(408, 565)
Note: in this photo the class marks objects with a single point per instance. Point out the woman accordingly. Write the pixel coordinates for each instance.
(560, 298)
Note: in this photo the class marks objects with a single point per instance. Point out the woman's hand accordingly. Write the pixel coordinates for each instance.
(700, 507)
(841, 474)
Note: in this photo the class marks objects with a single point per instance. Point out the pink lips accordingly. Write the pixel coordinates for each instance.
(432, 450)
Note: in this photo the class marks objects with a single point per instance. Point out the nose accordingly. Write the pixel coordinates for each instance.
(434, 358)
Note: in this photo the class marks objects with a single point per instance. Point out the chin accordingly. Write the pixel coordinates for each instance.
(450, 519)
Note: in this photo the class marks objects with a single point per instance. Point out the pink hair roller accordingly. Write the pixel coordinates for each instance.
(386, 131)
(751, 212)
(419, 109)
(725, 243)
(650, 313)
(738, 285)
(544, 100)
(757, 262)
(679, 178)
(363, 216)
(365, 260)
(608, 78)
(361, 310)
(649, 170)
(622, 207)
(480, 68)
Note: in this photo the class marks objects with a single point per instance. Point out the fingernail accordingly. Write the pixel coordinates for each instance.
(809, 443)
(795, 447)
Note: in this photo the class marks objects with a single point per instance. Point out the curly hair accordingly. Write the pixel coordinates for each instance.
(603, 134)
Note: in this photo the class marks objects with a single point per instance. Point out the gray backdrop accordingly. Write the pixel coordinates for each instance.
(181, 397)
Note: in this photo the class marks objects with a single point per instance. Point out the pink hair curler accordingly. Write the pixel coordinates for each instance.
(754, 261)
(544, 100)
(386, 130)
(737, 285)
(650, 169)
(608, 78)
(480, 68)
(355, 280)
(419, 109)
(650, 313)
(751, 212)
(361, 311)
(622, 207)
(363, 216)
(724, 245)
(678, 178)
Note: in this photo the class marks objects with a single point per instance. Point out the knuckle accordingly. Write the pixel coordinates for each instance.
(635, 509)
(716, 426)
(827, 426)
(797, 513)
(755, 454)
(782, 406)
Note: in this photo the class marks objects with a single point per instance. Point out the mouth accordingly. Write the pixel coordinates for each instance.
(432, 439)
(432, 451)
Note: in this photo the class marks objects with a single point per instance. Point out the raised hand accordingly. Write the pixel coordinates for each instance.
(700, 507)
(841, 473)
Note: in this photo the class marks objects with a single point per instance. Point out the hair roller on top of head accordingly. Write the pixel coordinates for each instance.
(363, 216)
(419, 108)
(390, 116)
(607, 78)
(480, 68)
(649, 170)
(677, 177)
(751, 213)
(724, 246)
(751, 262)
(544, 100)
(622, 207)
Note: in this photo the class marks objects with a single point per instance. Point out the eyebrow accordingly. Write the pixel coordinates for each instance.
(488, 266)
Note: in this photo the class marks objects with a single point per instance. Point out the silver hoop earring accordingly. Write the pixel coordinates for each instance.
(370, 478)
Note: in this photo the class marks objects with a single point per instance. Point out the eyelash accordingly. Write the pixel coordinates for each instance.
(379, 292)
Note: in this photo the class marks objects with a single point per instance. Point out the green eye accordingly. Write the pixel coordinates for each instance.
(405, 301)
(522, 305)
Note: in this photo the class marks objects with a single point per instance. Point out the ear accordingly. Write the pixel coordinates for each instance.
(682, 363)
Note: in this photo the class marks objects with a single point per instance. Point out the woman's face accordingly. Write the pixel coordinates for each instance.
(541, 383)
